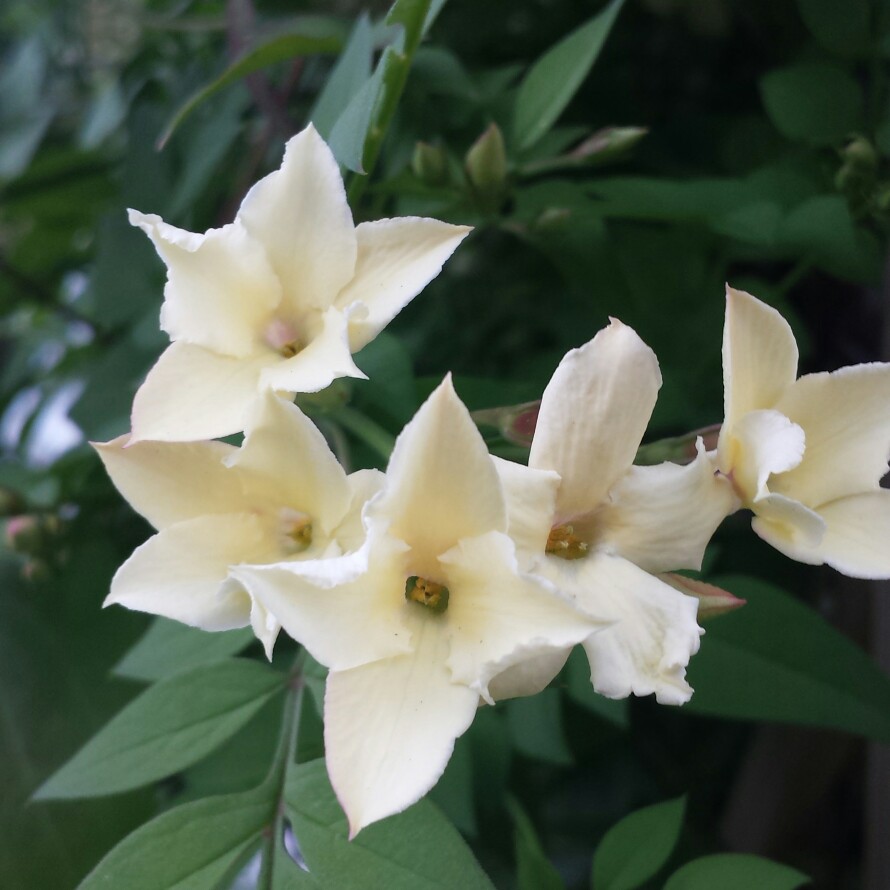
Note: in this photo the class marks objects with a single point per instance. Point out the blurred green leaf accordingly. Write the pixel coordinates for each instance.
(172, 725)
(453, 793)
(534, 871)
(634, 850)
(577, 677)
(552, 81)
(415, 850)
(735, 871)
(169, 647)
(842, 28)
(536, 729)
(777, 659)
(813, 102)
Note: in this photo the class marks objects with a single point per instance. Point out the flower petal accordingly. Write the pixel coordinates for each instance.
(364, 484)
(357, 618)
(531, 501)
(180, 572)
(760, 444)
(220, 287)
(790, 527)
(397, 258)
(265, 625)
(168, 482)
(593, 416)
(325, 358)
(441, 483)
(498, 617)
(654, 633)
(846, 418)
(857, 535)
(662, 517)
(192, 393)
(300, 215)
(390, 727)
(528, 677)
(287, 461)
(759, 355)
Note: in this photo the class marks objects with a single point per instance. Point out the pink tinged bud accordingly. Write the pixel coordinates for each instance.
(712, 600)
(516, 423)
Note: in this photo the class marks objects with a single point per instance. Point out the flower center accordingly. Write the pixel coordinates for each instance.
(295, 531)
(283, 337)
(564, 543)
(426, 593)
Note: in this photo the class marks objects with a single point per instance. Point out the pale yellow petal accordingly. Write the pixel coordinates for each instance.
(220, 287)
(593, 416)
(857, 534)
(169, 482)
(390, 727)
(528, 677)
(793, 529)
(397, 258)
(846, 418)
(265, 626)
(192, 393)
(759, 356)
(300, 215)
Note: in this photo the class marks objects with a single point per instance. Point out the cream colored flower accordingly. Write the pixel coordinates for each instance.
(613, 525)
(805, 455)
(281, 496)
(442, 608)
(280, 298)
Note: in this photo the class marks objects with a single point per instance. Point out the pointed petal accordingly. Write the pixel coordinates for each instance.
(712, 600)
(531, 502)
(397, 258)
(180, 571)
(325, 358)
(390, 727)
(760, 444)
(220, 287)
(441, 483)
(654, 635)
(662, 517)
(846, 418)
(265, 625)
(790, 527)
(593, 416)
(287, 461)
(759, 355)
(364, 485)
(168, 482)
(192, 393)
(857, 535)
(300, 215)
(528, 677)
(498, 617)
(358, 618)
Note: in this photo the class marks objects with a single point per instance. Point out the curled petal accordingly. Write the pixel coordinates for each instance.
(528, 677)
(793, 529)
(857, 534)
(593, 416)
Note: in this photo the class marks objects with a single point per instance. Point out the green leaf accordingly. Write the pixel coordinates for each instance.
(635, 849)
(415, 850)
(347, 77)
(170, 726)
(536, 729)
(169, 647)
(192, 847)
(735, 871)
(777, 659)
(577, 678)
(552, 81)
(312, 36)
(534, 871)
(813, 102)
(842, 28)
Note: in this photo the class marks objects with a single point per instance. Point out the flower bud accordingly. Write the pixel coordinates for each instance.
(486, 166)
(516, 423)
(712, 600)
(430, 164)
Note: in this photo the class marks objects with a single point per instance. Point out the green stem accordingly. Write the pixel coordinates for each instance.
(371, 433)
(281, 764)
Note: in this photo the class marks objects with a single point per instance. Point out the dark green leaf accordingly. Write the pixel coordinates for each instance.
(735, 871)
(534, 871)
(552, 81)
(843, 28)
(777, 659)
(169, 647)
(577, 678)
(535, 723)
(170, 726)
(415, 850)
(813, 102)
(635, 849)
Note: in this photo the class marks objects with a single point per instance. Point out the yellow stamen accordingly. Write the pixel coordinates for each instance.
(296, 531)
(564, 543)
(426, 593)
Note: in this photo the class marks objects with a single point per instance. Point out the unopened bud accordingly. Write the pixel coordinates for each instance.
(712, 600)
(516, 423)
(486, 166)
(859, 152)
(605, 144)
(430, 164)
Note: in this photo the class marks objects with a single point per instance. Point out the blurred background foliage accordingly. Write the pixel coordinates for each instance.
(711, 140)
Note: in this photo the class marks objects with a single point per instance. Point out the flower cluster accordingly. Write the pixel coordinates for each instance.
(454, 578)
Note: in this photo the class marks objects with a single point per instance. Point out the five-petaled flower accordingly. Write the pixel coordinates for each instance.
(805, 455)
(280, 298)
